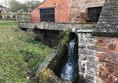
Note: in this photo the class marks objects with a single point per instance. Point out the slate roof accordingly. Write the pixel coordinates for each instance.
(108, 21)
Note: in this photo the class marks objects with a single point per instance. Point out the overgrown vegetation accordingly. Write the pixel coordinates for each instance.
(19, 54)
(65, 38)
(47, 76)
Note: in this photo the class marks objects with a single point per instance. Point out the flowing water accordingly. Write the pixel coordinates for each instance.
(69, 70)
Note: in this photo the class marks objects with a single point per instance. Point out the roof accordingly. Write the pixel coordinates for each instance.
(108, 22)
(38, 5)
(3, 6)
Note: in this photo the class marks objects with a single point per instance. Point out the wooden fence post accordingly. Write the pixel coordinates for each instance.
(29, 17)
(17, 20)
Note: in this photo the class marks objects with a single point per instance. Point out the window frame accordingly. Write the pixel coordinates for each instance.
(94, 13)
(47, 14)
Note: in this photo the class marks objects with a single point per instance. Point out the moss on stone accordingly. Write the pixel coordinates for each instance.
(47, 76)
(65, 38)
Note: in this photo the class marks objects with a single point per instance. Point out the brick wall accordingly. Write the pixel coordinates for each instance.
(67, 10)
(61, 10)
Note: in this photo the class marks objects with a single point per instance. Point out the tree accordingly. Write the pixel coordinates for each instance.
(32, 4)
(16, 6)
(23, 7)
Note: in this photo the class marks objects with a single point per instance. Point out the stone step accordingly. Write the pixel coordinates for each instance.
(103, 16)
(109, 14)
(110, 3)
(107, 26)
(110, 6)
(110, 11)
(108, 20)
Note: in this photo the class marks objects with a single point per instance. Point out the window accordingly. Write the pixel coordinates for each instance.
(94, 13)
(47, 15)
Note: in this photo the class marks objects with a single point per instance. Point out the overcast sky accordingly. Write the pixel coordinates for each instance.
(1, 1)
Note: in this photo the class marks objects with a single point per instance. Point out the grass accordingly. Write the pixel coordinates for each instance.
(19, 53)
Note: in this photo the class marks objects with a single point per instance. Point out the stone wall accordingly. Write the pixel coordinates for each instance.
(53, 60)
(49, 70)
(78, 8)
(107, 47)
(107, 59)
(98, 58)
(86, 55)
(50, 38)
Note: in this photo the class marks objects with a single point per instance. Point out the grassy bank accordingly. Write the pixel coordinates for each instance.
(19, 54)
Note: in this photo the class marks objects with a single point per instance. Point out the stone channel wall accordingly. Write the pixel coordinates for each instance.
(50, 38)
(54, 59)
(49, 70)
(86, 55)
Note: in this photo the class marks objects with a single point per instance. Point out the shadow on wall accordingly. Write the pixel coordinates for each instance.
(48, 37)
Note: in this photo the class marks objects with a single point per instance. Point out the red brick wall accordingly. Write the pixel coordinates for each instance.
(67, 10)
(107, 59)
(61, 10)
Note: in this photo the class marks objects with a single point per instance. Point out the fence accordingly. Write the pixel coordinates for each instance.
(15, 17)
(23, 18)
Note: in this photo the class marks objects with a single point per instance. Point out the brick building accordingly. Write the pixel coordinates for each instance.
(98, 53)
(67, 11)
